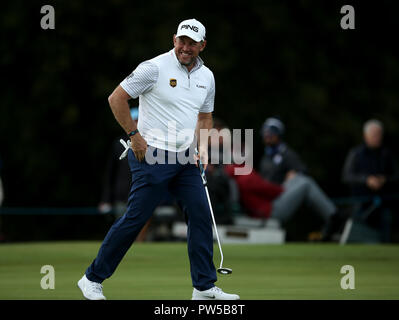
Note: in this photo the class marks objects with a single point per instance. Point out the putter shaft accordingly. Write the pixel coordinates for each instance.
(204, 181)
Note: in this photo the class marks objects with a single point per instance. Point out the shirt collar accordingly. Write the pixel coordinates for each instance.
(198, 63)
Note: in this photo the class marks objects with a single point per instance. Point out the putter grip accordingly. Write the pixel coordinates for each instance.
(200, 166)
(202, 171)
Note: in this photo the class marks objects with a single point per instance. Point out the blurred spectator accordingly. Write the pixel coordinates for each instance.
(256, 194)
(223, 190)
(370, 170)
(282, 166)
(279, 161)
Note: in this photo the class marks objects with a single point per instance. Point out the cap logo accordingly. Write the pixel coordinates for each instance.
(187, 26)
(173, 82)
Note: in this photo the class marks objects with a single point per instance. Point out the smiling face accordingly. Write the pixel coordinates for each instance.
(187, 50)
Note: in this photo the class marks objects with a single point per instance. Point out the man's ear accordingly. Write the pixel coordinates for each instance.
(174, 39)
(203, 45)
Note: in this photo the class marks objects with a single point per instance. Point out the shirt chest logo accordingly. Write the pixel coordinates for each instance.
(173, 82)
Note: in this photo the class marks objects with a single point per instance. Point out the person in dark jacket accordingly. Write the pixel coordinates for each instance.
(283, 166)
(278, 159)
(371, 171)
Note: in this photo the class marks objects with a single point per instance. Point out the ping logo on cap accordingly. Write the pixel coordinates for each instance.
(191, 28)
(187, 26)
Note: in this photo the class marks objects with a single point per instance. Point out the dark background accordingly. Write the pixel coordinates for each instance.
(286, 58)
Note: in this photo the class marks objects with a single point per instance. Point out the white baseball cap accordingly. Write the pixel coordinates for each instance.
(191, 28)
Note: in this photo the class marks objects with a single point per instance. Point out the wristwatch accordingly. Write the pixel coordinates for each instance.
(131, 134)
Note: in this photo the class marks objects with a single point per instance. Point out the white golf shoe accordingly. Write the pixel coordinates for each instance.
(213, 293)
(91, 290)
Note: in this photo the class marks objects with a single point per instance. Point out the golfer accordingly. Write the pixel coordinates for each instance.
(176, 91)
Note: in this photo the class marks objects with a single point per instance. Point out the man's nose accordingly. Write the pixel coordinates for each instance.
(186, 47)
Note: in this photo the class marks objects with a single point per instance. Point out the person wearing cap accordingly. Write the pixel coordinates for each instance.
(176, 95)
(282, 166)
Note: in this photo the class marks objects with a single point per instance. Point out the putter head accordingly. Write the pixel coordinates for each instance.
(225, 271)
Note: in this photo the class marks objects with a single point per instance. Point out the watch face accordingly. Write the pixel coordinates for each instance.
(133, 133)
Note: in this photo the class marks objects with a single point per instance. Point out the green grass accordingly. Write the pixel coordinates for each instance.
(157, 271)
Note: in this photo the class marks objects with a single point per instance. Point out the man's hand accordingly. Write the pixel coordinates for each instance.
(104, 207)
(139, 146)
(375, 182)
(204, 124)
(290, 175)
(203, 155)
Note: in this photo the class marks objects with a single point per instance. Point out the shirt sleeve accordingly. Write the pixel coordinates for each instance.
(210, 98)
(141, 80)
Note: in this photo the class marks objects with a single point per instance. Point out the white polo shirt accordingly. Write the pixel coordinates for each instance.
(170, 99)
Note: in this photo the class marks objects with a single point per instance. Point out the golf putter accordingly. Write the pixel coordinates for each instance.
(221, 270)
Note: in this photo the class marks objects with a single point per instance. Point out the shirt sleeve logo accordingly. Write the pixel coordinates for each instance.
(173, 82)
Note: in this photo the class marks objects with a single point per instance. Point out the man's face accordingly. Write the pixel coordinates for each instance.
(270, 139)
(187, 50)
(373, 136)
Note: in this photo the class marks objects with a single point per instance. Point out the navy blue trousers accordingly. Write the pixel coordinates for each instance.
(150, 183)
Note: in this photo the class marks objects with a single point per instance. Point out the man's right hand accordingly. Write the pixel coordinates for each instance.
(375, 182)
(104, 207)
(290, 175)
(139, 146)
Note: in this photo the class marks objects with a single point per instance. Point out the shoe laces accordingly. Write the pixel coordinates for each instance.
(217, 289)
(96, 287)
